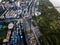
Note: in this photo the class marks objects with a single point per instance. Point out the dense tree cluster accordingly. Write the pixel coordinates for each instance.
(49, 24)
(3, 32)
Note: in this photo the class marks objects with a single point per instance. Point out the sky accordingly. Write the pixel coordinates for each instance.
(55, 2)
(0, 0)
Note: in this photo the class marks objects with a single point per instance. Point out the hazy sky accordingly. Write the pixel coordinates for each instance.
(0, 0)
(56, 2)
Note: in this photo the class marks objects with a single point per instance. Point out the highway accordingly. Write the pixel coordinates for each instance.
(26, 36)
(33, 28)
(28, 33)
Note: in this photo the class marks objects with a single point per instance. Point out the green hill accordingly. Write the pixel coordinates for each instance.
(49, 24)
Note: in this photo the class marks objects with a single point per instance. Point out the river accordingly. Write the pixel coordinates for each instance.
(56, 3)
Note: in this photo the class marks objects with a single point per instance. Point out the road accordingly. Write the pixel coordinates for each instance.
(9, 19)
(33, 28)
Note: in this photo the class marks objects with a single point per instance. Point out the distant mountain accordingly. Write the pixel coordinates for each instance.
(45, 0)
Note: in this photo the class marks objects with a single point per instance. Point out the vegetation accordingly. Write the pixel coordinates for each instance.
(3, 32)
(49, 24)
